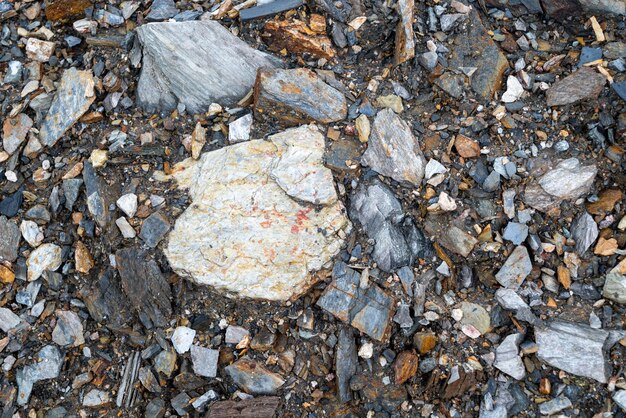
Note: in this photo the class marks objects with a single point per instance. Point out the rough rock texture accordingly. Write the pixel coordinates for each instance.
(44, 257)
(475, 48)
(575, 348)
(615, 287)
(508, 359)
(219, 67)
(10, 233)
(254, 378)
(369, 310)
(405, 38)
(515, 269)
(568, 180)
(585, 83)
(346, 362)
(297, 96)
(74, 96)
(297, 37)
(46, 365)
(248, 202)
(398, 242)
(393, 151)
(584, 231)
(14, 131)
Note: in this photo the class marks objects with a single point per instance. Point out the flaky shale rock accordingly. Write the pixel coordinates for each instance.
(218, 66)
(265, 215)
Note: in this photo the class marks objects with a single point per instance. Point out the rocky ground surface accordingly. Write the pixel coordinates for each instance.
(349, 208)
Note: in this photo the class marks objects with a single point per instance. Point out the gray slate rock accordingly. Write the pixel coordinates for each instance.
(74, 96)
(615, 287)
(8, 320)
(515, 269)
(398, 242)
(228, 64)
(154, 229)
(393, 151)
(346, 362)
(508, 359)
(100, 195)
(555, 405)
(584, 231)
(204, 361)
(450, 236)
(253, 378)
(515, 232)
(620, 399)
(68, 330)
(574, 348)
(585, 83)
(46, 365)
(162, 10)
(10, 233)
(510, 300)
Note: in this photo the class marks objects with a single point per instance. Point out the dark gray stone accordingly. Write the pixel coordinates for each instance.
(10, 205)
(162, 10)
(154, 229)
(346, 362)
(71, 189)
(584, 231)
(9, 244)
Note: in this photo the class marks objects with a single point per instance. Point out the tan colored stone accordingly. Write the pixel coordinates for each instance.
(424, 341)
(198, 139)
(405, 366)
(605, 203)
(363, 127)
(564, 276)
(6, 275)
(466, 147)
(606, 247)
(83, 259)
(39, 50)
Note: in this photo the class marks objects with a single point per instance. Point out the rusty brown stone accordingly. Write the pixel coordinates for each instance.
(424, 341)
(564, 277)
(605, 203)
(405, 42)
(6, 275)
(297, 37)
(83, 259)
(405, 366)
(64, 9)
(466, 147)
(544, 386)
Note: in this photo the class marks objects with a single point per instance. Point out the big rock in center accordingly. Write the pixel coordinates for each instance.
(264, 216)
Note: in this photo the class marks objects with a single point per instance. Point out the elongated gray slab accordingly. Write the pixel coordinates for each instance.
(196, 63)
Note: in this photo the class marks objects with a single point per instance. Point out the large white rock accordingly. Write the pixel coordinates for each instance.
(252, 229)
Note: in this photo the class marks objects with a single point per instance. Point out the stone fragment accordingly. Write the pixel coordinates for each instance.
(182, 338)
(508, 359)
(378, 391)
(606, 247)
(198, 139)
(405, 366)
(476, 316)
(234, 334)
(260, 407)
(68, 330)
(46, 365)
(71, 189)
(165, 362)
(32, 233)
(8, 320)
(568, 180)
(10, 205)
(232, 237)
(128, 204)
(46, 257)
(615, 287)
(100, 195)
(619, 397)
(449, 236)
(253, 378)
(296, 96)
(9, 244)
(390, 101)
(398, 242)
(574, 348)
(466, 147)
(514, 90)
(143, 283)
(155, 408)
(97, 398)
(585, 83)
(515, 269)
(363, 128)
(554, 406)
(510, 300)
(424, 342)
(515, 232)
(393, 151)
(473, 47)
(14, 131)
(405, 37)
(605, 203)
(64, 9)
(6, 275)
(239, 129)
(584, 231)
(369, 310)
(153, 229)
(204, 361)
(39, 50)
(82, 258)
(73, 98)
(346, 363)
(162, 10)
(229, 66)
(297, 37)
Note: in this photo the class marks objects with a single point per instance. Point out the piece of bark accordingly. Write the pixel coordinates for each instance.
(218, 66)
(262, 407)
(297, 96)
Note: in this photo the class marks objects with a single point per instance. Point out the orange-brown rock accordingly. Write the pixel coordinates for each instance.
(466, 147)
(605, 203)
(6, 275)
(83, 259)
(606, 247)
(564, 276)
(424, 341)
(64, 9)
(405, 366)
(405, 38)
(297, 37)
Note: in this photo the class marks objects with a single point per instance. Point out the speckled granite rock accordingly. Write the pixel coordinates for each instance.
(250, 230)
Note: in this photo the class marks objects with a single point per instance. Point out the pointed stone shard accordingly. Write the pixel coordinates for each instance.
(393, 151)
(218, 66)
(252, 229)
(515, 269)
(585, 83)
(74, 96)
(405, 38)
(508, 359)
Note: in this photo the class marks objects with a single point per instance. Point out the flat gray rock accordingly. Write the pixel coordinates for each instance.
(620, 399)
(8, 320)
(253, 378)
(615, 287)
(346, 362)
(515, 269)
(585, 83)
(398, 242)
(10, 233)
(555, 405)
(196, 63)
(584, 231)
(46, 365)
(574, 348)
(508, 359)
(68, 330)
(74, 96)
(204, 361)
(393, 151)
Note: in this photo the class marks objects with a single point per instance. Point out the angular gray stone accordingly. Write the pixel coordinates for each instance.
(96, 398)
(393, 151)
(508, 359)
(297, 96)
(369, 310)
(8, 320)
(398, 242)
(71, 189)
(45, 257)
(346, 362)
(228, 66)
(450, 236)
(68, 330)
(584, 231)
(233, 236)
(100, 195)
(46, 365)
(574, 348)
(510, 300)
(15, 131)
(161, 10)
(515, 232)
(515, 269)
(619, 397)
(9, 244)
(204, 361)
(253, 378)
(73, 98)
(584, 83)
(615, 287)
(153, 229)
(555, 405)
